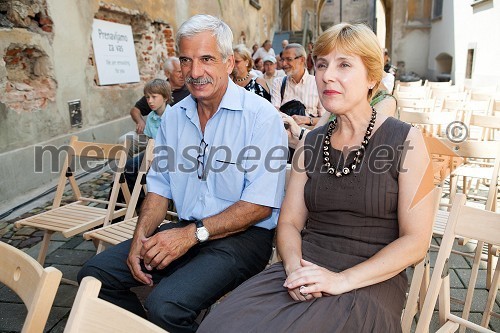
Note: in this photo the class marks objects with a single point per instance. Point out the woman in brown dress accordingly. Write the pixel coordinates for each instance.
(348, 227)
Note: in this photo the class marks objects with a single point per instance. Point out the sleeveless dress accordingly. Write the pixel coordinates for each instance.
(255, 87)
(350, 219)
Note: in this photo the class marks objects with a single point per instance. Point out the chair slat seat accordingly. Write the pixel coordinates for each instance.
(473, 171)
(58, 220)
(440, 222)
(82, 214)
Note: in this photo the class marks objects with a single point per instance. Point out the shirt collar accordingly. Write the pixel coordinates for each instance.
(302, 79)
(230, 101)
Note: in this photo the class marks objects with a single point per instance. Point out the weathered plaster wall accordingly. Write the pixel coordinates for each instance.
(477, 27)
(410, 38)
(46, 59)
(441, 40)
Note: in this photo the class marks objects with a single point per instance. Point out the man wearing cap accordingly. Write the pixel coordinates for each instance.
(270, 71)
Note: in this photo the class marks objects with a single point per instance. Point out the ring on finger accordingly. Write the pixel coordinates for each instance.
(301, 291)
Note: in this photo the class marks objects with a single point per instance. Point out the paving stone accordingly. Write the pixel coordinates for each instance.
(68, 257)
(59, 327)
(456, 261)
(25, 231)
(86, 245)
(478, 301)
(65, 295)
(12, 317)
(495, 324)
(55, 316)
(73, 242)
(29, 242)
(8, 296)
(69, 271)
(464, 275)
(33, 252)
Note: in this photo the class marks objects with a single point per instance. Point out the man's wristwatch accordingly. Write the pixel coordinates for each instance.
(202, 233)
(310, 120)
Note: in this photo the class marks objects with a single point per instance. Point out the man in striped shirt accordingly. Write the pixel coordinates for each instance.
(300, 85)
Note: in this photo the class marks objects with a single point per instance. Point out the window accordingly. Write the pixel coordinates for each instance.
(437, 9)
(470, 63)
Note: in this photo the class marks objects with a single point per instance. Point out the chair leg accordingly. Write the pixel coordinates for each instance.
(101, 247)
(444, 300)
(411, 306)
(472, 284)
(490, 263)
(45, 246)
(426, 279)
(491, 296)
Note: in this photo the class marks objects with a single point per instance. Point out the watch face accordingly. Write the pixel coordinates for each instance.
(202, 234)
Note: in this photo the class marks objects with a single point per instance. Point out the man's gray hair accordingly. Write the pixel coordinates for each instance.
(299, 49)
(201, 23)
(168, 65)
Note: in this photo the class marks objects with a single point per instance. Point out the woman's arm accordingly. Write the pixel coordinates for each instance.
(292, 218)
(415, 228)
(263, 83)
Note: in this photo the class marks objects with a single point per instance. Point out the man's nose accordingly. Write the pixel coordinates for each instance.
(197, 69)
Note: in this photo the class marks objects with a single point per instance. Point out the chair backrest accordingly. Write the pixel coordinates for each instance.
(489, 150)
(93, 150)
(91, 314)
(437, 84)
(411, 307)
(35, 285)
(406, 84)
(423, 105)
(140, 182)
(468, 222)
(420, 94)
(428, 118)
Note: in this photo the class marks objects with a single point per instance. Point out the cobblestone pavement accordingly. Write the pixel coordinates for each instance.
(68, 255)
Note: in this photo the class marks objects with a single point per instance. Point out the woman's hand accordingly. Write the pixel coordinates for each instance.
(312, 280)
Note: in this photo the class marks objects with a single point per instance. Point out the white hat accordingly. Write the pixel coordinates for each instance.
(270, 58)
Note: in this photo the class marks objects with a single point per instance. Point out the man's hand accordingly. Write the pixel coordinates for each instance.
(134, 264)
(164, 247)
(139, 126)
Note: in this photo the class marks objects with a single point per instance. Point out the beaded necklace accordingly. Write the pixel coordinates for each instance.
(243, 78)
(359, 153)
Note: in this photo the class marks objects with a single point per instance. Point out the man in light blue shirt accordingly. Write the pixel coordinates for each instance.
(220, 155)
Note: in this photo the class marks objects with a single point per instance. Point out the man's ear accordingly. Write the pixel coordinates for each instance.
(230, 64)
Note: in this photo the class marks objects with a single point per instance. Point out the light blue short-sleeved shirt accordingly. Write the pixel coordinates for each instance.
(245, 158)
(153, 122)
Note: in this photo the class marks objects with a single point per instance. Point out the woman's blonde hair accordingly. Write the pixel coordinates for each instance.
(244, 53)
(357, 39)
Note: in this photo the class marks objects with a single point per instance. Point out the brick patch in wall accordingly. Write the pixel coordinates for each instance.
(29, 84)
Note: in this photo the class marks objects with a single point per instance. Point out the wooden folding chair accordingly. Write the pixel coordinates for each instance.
(432, 84)
(35, 285)
(433, 122)
(466, 222)
(91, 314)
(419, 281)
(408, 84)
(121, 231)
(80, 215)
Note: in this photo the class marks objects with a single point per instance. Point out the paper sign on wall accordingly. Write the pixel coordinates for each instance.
(114, 53)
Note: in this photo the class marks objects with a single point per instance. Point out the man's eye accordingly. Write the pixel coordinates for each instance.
(321, 65)
(344, 64)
